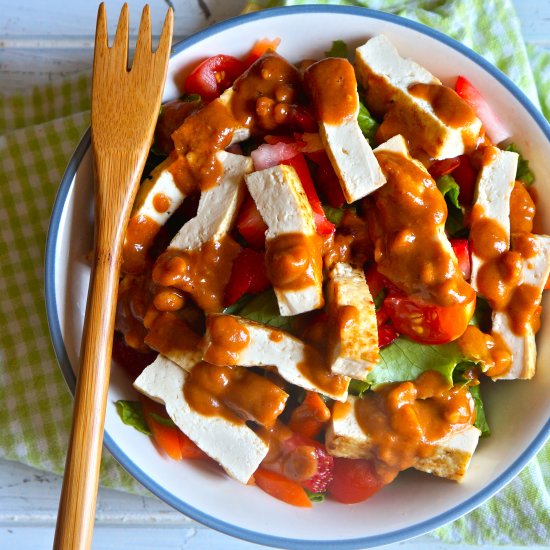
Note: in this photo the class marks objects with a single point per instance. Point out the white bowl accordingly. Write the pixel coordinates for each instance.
(416, 503)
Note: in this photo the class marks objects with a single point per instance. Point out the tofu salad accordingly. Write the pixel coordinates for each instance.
(325, 262)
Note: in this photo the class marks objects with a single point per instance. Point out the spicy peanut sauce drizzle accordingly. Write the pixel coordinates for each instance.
(402, 228)
(404, 420)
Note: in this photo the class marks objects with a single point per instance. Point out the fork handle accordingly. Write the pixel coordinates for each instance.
(76, 514)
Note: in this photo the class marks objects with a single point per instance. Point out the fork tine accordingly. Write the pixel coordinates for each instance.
(120, 44)
(143, 45)
(165, 41)
(101, 43)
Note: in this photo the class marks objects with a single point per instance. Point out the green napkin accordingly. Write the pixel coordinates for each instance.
(38, 132)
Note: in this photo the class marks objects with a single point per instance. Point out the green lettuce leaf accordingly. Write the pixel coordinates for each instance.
(334, 215)
(455, 218)
(338, 49)
(358, 387)
(262, 308)
(131, 413)
(406, 360)
(481, 420)
(524, 173)
(368, 125)
(482, 317)
(162, 420)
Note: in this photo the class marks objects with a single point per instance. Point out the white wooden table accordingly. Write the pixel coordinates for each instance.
(43, 40)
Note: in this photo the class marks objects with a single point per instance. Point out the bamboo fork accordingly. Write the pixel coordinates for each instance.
(125, 106)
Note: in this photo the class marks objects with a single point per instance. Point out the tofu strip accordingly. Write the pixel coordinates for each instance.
(332, 88)
(523, 346)
(232, 340)
(492, 197)
(234, 446)
(450, 459)
(353, 343)
(282, 203)
(414, 101)
(218, 205)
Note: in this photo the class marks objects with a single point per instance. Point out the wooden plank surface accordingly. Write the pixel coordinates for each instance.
(44, 40)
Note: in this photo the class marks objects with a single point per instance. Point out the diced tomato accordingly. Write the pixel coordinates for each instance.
(251, 225)
(309, 418)
(465, 175)
(248, 274)
(386, 335)
(213, 76)
(427, 323)
(326, 179)
(298, 162)
(496, 131)
(282, 488)
(462, 252)
(355, 480)
(131, 360)
(443, 167)
(260, 48)
(302, 119)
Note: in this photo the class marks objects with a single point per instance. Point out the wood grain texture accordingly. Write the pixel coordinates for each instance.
(125, 106)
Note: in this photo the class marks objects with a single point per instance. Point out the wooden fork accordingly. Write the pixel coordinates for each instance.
(125, 106)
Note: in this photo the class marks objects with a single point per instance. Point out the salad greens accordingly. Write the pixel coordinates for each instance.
(131, 413)
(405, 360)
(524, 173)
(262, 308)
(334, 215)
(368, 125)
(450, 190)
(338, 49)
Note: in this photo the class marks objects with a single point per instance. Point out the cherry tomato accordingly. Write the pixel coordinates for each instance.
(427, 323)
(386, 335)
(354, 480)
(213, 76)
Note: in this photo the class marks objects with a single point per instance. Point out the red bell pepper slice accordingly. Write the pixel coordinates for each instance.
(324, 227)
(251, 225)
(213, 76)
(248, 275)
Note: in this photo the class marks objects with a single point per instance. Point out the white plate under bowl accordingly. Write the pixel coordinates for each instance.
(416, 503)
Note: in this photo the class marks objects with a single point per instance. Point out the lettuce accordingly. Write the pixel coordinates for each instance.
(338, 49)
(455, 218)
(523, 173)
(131, 413)
(481, 420)
(368, 125)
(405, 360)
(262, 308)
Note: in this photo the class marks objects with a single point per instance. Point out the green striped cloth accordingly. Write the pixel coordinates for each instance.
(38, 132)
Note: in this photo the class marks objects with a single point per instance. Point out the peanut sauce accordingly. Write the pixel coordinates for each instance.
(315, 368)
(263, 97)
(522, 210)
(491, 350)
(202, 273)
(446, 104)
(168, 333)
(140, 234)
(228, 337)
(499, 277)
(408, 215)
(161, 202)
(234, 393)
(347, 317)
(293, 260)
(405, 420)
(332, 87)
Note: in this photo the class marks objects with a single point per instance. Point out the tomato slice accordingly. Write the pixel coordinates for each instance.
(213, 76)
(354, 480)
(428, 323)
(461, 249)
(386, 335)
(443, 167)
(248, 274)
